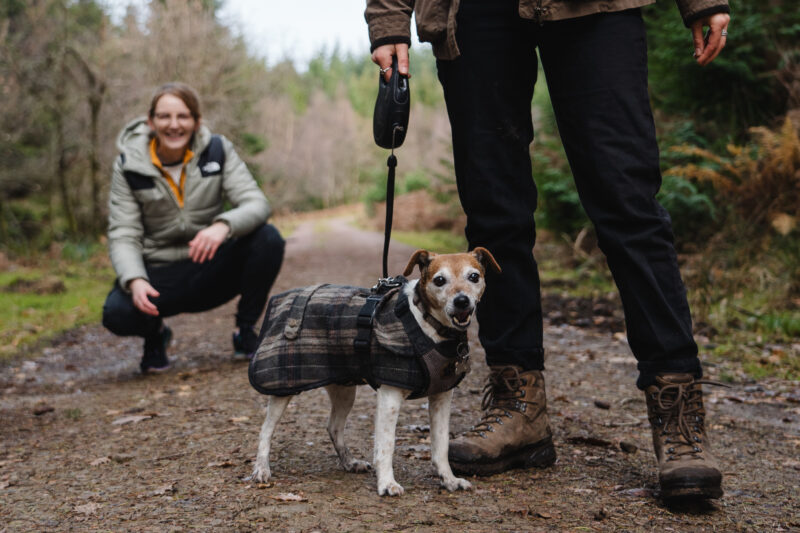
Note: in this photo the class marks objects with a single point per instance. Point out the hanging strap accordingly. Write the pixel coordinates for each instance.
(391, 163)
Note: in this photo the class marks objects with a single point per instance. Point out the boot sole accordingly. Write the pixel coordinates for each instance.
(538, 455)
(687, 491)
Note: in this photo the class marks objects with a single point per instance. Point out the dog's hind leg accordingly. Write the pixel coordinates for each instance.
(389, 401)
(439, 409)
(342, 399)
(275, 408)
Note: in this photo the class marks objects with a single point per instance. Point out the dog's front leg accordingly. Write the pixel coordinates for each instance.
(275, 408)
(389, 401)
(439, 409)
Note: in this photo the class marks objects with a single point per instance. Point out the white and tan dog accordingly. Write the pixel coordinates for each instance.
(450, 287)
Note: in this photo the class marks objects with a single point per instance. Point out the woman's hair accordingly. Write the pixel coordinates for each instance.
(182, 91)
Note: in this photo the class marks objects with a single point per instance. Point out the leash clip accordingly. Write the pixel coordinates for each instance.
(384, 285)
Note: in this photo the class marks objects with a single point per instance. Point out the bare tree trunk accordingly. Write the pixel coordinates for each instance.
(96, 93)
(62, 163)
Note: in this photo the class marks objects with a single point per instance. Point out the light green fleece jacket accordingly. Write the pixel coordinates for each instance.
(146, 224)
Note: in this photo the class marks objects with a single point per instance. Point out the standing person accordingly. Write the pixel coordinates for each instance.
(174, 246)
(594, 58)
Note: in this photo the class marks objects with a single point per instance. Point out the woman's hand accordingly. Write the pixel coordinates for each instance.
(382, 56)
(706, 49)
(141, 290)
(205, 244)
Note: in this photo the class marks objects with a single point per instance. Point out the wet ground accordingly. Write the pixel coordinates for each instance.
(88, 444)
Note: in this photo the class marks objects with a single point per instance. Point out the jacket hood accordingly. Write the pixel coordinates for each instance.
(133, 143)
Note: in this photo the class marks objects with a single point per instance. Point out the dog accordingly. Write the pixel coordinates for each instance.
(441, 302)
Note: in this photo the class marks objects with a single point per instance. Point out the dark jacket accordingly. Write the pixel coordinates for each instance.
(388, 20)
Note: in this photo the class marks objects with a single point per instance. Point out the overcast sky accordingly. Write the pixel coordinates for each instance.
(276, 29)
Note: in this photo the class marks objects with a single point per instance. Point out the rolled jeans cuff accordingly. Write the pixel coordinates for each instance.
(648, 370)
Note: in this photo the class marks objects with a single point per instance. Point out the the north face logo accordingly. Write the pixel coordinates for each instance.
(212, 167)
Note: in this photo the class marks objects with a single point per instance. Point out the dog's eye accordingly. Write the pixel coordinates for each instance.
(439, 281)
(474, 277)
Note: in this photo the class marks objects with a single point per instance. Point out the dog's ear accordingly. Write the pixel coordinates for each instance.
(421, 258)
(486, 259)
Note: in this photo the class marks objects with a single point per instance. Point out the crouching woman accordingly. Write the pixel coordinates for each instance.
(174, 247)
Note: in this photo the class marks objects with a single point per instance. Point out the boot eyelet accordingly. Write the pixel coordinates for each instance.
(695, 448)
(697, 439)
(671, 450)
(482, 434)
(522, 394)
(490, 429)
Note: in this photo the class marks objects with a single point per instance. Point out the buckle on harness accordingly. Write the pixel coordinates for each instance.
(384, 285)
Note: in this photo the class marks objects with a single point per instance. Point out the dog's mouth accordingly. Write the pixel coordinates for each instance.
(461, 319)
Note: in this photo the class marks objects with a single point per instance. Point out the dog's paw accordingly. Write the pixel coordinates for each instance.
(453, 483)
(357, 466)
(392, 488)
(261, 474)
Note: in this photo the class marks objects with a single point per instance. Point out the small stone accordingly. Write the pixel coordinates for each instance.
(628, 447)
(602, 404)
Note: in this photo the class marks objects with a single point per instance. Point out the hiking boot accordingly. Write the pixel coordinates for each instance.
(245, 344)
(155, 359)
(686, 467)
(514, 431)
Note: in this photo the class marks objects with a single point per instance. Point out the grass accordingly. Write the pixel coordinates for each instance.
(28, 318)
(441, 241)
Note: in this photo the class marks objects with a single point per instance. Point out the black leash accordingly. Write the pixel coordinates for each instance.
(391, 162)
(389, 126)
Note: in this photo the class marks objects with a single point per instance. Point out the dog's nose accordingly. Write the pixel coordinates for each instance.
(461, 302)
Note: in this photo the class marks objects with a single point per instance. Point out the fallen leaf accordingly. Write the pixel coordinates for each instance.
(160, 491)
(602, 404)
(627, 447)
(42, 409)
(289, 497)
(236, 419)
(87, 509)
(100, 461)
(601, 514)
(130, 419)
(219, 464)
(4, 484)
(521, 511)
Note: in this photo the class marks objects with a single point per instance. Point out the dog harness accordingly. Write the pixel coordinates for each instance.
(307, 341)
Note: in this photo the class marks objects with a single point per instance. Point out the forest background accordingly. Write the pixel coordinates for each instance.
(70, 78)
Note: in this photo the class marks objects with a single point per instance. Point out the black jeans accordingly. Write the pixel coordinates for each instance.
(246, 265)
(596, 70)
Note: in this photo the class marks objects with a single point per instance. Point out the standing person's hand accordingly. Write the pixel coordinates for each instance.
(205, 244)
(141, 290)
(382, 56)
(706, 48)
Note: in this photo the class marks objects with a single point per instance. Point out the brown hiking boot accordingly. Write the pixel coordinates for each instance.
(514, 431)
(686, 467)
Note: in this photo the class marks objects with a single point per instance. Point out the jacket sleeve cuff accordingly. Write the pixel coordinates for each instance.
(691, 19)
(392, 39)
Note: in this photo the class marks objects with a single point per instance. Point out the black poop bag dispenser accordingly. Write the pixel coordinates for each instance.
(389, 126)
(390, 120)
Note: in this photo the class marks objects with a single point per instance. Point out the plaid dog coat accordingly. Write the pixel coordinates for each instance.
(307, 342)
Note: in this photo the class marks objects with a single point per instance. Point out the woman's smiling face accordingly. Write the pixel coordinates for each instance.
(174, 125)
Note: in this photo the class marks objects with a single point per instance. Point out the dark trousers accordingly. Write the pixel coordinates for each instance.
(246, 265)
(596, 70)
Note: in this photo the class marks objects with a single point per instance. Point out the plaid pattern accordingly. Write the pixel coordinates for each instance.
(307, 342)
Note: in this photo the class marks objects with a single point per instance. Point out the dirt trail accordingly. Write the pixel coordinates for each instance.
(87, 444)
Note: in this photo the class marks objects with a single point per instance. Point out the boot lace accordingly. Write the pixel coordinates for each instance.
(678, 411)
(502, 395)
